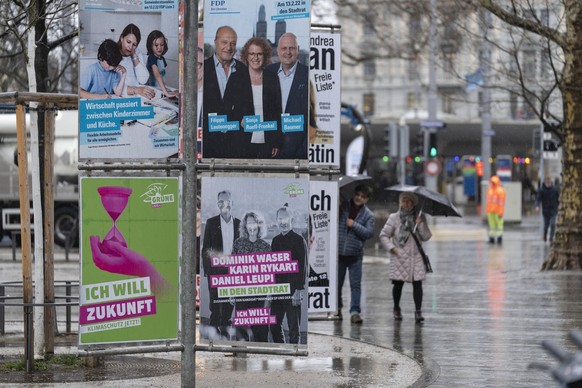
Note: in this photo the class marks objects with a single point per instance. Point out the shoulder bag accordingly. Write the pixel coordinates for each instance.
(422, 253)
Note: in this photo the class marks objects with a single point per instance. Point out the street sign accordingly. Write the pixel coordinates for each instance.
(432, 167)
(488, 132)
(433, 124)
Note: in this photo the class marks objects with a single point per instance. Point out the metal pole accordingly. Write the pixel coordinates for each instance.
(68, 308)
(189, 253)
(431, 181)
(2, 309)
(485, 63)
(404, 150)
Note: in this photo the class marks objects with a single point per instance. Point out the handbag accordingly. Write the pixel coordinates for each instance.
(422, 253)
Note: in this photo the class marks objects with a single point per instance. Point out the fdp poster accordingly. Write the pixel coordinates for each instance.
(129, 259)
(254, 259)
(129, 79)
(325, 75)
(256, 80)
(323, 208)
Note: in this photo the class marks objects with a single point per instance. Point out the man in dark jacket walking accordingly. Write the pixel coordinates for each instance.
(356, 225)
(548, 196)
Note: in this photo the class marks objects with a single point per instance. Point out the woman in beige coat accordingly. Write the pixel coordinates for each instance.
(407, 264)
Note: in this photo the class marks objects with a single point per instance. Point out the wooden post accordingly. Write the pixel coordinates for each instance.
(48, 229)
(27, 292)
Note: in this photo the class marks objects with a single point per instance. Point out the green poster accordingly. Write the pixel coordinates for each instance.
(129, 259)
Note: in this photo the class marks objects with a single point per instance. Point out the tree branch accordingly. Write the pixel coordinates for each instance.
(63, 39)
(515, 20)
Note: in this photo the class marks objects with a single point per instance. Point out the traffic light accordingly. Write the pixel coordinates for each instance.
(387, 132)
(418, 149)
(432, 145)
(390, 141)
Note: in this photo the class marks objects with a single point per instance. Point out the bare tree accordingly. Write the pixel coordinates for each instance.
(537, 66)
(56, 38)
(556, 26)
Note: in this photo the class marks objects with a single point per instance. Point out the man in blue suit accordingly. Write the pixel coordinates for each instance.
(294, 79)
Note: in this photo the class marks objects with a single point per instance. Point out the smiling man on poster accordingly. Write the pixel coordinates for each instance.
(294, 79)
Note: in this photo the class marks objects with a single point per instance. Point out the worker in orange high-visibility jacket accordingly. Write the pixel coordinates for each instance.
(495, 209)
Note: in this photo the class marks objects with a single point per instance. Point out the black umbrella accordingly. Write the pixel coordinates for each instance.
(348, 183)
(429, 202)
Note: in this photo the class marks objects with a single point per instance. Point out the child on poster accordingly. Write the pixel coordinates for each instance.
(105, 77)
(157, 46)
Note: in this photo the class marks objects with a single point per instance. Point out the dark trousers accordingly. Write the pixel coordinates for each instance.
(280, 308)
(220, 312)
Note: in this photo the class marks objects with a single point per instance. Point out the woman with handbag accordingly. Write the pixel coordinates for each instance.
(402, 236)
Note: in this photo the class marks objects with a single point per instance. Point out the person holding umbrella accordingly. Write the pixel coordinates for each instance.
(402, 236)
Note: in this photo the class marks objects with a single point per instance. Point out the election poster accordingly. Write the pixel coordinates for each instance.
(325, 101)
(323, 215)
(129, 250)
(254, 259)
(129, 85)
(256, 80)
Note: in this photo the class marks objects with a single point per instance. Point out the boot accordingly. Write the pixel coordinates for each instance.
(545, 236)
(397, 314)
(499, 240)
(418, 316)
(491, 240)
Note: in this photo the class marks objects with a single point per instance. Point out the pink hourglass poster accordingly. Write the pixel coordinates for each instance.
(129, 248)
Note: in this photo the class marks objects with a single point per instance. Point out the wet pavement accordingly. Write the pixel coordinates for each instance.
(487, 310)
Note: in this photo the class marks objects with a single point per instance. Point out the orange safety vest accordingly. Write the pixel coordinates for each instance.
(495, 197)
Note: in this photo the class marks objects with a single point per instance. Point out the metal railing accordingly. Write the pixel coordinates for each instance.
(70, 300)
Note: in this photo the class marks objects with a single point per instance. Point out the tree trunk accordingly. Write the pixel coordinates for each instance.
(566, 252)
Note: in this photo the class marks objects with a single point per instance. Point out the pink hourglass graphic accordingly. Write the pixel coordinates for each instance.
(114, 200)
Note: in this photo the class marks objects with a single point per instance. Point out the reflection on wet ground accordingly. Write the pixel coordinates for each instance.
(487, 308)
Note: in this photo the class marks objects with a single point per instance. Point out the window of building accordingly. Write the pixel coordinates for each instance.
(448, 103)
(369, 102)
(529, 63)
(411, 100)
(369, 69)
(368, 25)
(513, 105)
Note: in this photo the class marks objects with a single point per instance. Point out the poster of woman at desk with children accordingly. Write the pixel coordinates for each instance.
(129, 80)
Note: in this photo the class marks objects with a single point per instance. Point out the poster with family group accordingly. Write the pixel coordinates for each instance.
(129, 250)
(325, 78)
(254, 259)
(129, 104)
(256, 80)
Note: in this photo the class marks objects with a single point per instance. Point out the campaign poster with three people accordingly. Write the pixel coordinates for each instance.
(254, 259)
(129, 250)
(256, 80)
(129, 83)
